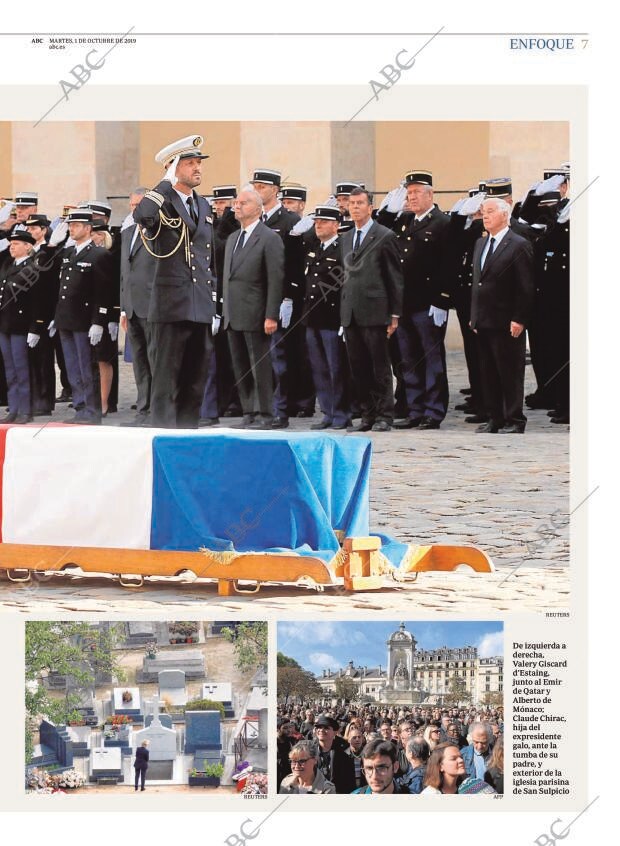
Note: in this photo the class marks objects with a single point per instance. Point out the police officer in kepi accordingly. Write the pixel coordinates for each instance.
(81, 314)
(177, 228)
(321, 317)
(20, 327)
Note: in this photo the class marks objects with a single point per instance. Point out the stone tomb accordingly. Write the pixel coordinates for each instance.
(106, 766)
(162, 746)
(190, 661)
(203, 736)
(172, 686)
(220, 692)
(131, 708)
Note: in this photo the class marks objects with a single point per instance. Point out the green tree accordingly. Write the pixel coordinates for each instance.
(457, 693)
(493, 699)
(298, 683)
(249, 641)
(346, 688)
(74, 649)
(284, 661)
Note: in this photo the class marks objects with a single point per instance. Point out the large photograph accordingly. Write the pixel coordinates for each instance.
(327, 363)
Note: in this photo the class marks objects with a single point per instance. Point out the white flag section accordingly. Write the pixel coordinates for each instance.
(78, 487)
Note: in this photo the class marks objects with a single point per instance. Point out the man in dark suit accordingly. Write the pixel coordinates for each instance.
(137, 273)
(370, 306)
(502, 296)
(253, 279)
(178, 231)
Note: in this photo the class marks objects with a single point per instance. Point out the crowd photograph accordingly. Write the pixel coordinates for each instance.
(425, 721)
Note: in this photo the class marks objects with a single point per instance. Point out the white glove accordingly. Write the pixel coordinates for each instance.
(95, 333)
(5, 211)
(32, 340)
(51, 329)
(171, 172)
(286, 312)
(551, 184)
(439, 315)
(59, 234)
(331, 201)
(304, 225)
(455, 208)
(395, 200)
(113, 330)
(215, 324)
(472, 204)
(341, 332)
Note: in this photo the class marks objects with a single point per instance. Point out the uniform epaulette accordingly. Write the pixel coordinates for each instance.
(156, 197)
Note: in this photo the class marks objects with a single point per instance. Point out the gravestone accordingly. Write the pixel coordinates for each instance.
(131, 708)
(203, 733)
(190, 661)
(80, 740)
(165, 719)
(106, 765)
(220, 692)
(172, 686)
(162, 740)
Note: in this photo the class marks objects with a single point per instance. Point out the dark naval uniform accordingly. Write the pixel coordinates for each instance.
(321, 317)
(422, 246)
(182, 302)
(19, 314)
(82, 303)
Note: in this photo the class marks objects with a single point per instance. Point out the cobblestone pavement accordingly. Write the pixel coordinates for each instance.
(498, 492)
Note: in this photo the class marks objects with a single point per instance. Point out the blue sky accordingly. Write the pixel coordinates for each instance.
(319, 645)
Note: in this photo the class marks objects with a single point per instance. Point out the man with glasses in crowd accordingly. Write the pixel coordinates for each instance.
(334, 762)
(380, 766)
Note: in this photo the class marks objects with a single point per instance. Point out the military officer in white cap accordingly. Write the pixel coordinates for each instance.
(177, 229)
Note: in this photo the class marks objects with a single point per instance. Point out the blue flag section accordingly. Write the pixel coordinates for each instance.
(259, 492)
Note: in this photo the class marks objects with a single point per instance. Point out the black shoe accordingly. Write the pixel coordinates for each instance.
(477, 418)
(279, 423)
(382, 426)
(364, 426)
(324, 424)
(112, 409)
(208, 421)
(341, 425)
(305, 412)
(429, 423)
(553, 412)
(467, 407)
(408, 423)
(23, 418)
(246, 420)
(10, 418)
(233, 411)
(64, 397)
(260, 423)
(561, 418)
(513, 429)
(465, 391)
(487, 429)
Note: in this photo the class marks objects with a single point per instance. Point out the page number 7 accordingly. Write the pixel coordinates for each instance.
(584, 43)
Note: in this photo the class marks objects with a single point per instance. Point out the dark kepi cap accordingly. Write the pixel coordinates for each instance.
(267, 177)
(419, 177)
(224, 192)
(501, 187)
(346, 187)
(100, 226)
(563, 170)
(551, 198)
(26, 198)
(98, 207)
(294, 192)
(80, 216)
(482, 186)
(473, 191)
(329, 722)
(327, 213)
(22, 235)
(37, 220)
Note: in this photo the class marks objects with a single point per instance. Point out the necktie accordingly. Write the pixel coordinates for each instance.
(265, 217)
(490, 250)
(358, 240)
(238, 245)
(192, 211)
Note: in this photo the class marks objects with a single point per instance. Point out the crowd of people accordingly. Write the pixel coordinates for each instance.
(244, 305)
(374, 750)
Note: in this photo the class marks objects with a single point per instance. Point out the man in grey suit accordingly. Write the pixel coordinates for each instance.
(370, 305)
(177, 228)
(137, 272)
(253, 280)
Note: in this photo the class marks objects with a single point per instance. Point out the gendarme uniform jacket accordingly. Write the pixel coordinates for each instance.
(83, 294)
(282, 221)
(324, 273)
(422, 244)
(19, 303)
(184, 287)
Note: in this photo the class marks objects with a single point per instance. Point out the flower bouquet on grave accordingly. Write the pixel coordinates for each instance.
(255, 785)
(151, 649)
(69, 780)
(39, 780)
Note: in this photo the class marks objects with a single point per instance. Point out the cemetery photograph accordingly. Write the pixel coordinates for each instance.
(146, 706)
